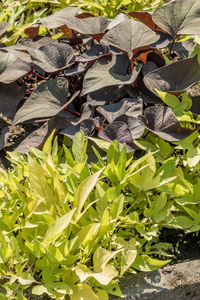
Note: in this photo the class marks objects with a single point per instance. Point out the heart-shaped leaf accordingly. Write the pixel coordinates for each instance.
(52, 57)
(119, 131)
(129, 35)
(109, 71)
(45, 101)
(174, 78)
(162, 121)
(59, 18)
(87, 126)
(11, 66)
(179, 17)
(94, 26)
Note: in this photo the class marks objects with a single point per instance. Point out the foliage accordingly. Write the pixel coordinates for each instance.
(68, 228)
(23, 13)
(127, 68)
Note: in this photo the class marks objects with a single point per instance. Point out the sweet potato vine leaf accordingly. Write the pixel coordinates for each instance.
(10, 96)
(45, 101)
(58, 18)
(52, 57)
(179, 17)
(162, 121)
(109, 71)
(11, 66)
(129, 35)
(174, 78)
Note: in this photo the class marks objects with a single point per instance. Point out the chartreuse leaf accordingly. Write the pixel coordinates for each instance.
(56, 228)
(83, 191)
(145, 263)
(128, 255)
(79, 147)
(83, 291)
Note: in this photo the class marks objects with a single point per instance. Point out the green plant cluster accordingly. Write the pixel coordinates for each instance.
(70, 228)
(21, 14)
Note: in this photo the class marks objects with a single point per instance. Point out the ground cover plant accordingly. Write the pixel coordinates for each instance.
(116, 94)
(21, 14)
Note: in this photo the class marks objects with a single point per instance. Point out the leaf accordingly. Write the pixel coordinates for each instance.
(101, 258)
(87, 126)
(3, 27)
(129, 35)
(162, 121)
(183, 222)
(94, 26)
(129, 254)
(52, 57)
(186, 20)
(94, 53)
(58, 18)
(83, 191)
(79, 147)
(83, 291)
(109, 72)
(128, 106)
(10, 95)
(119, 131)
(106, 95)
(11, 66)
(174, 78)
(45, 101)
(56, 228)
(39, 290)
(145, 263)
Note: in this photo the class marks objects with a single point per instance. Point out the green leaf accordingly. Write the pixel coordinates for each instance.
(56, 228)
(128, 256)
(83, 191)
(83, 291)
(79, 147)
(169, 99)
(145, 263)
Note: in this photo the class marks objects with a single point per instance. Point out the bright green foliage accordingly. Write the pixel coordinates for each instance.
(72, 228)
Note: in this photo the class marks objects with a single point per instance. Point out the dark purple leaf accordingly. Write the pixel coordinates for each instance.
(87, 126)
(106, 95)
(118, 131)
(11, 66)
(53, 57)
(179, 17)
(129, 35)
(109, 71)
(184, 49)
(59, 18)
(87, 112)
(45, 101)
(195, 105)
(148, 67)
(174, 78)
(10, 96)
(96, 52)
(78, 68)
(127, 106)
(162, 121)
(92, 26)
